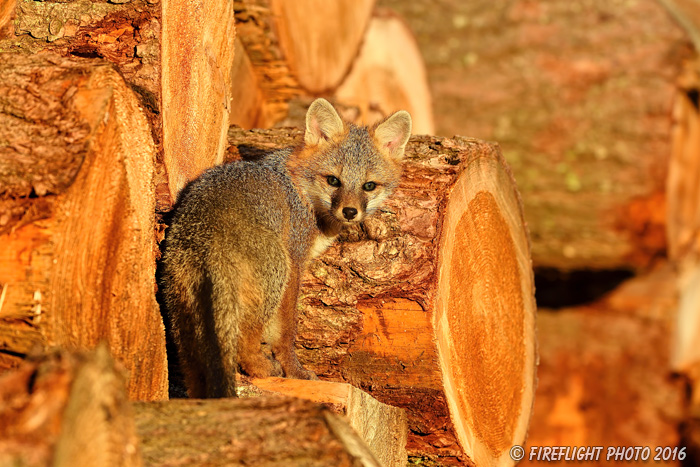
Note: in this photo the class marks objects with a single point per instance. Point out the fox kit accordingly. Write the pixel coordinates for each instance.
(243, 232)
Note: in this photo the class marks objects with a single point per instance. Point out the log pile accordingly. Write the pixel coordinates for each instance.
(345, 51)
(406, 308)
(108, 109)
(583, 118)
(77, 262)
(69, 409)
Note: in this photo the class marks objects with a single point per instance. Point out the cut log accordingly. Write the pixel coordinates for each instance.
(7, 13)
(246, 96)
(589, 153)
(597, 386)
(197, 53)
(389, 75)
(77, 261)
(255, 431)
(382, 427)
(320, 39)
(430, 307)
(176, 56)
(67, 410)
(254, 26)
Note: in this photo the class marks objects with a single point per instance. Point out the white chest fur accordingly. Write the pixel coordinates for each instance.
(320, 245)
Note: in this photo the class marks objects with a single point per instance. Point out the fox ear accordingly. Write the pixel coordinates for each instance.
(322, 122)
(392, 134)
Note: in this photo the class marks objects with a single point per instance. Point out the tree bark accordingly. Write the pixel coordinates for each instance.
(255, 431)
(77, 262)
(66, 410)
(382, 427)
(430, 305)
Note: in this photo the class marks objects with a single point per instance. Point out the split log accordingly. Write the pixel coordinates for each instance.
(246, 96)
(255, 431)
(66, 410)
(176, 56)
(299, 50)
(77, 261)
(430, 307)
(197, 53)
(683, 218)
(320, 39)
(382, 427)
(389, 75)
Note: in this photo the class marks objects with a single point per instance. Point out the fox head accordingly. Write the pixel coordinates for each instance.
(346, 171)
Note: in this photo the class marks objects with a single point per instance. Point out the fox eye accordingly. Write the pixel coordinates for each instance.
(333, 181)
(369, 186)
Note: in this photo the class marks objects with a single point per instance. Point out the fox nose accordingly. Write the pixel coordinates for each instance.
(349, 213)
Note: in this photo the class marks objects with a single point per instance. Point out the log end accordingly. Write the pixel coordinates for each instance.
(485, 319)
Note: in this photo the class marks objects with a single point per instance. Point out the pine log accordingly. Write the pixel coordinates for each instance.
(389, 75)
(320, 39)
(430, 306)
(67, 410)
(197, 53)
(77, 260)
(255, 431)
(382, 427)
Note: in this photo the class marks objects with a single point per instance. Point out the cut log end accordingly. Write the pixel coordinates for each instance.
(484, 321)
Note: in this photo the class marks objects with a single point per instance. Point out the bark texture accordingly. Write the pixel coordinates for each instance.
(382, 427)
(255, 431)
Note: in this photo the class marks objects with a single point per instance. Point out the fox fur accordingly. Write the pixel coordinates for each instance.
(242, 233)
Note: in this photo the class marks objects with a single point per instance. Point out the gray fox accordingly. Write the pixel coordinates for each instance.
(242, 233)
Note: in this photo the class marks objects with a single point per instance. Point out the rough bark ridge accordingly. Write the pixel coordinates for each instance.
(255, 431)
(382, 427)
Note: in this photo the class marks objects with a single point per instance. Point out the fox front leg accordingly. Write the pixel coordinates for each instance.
(285, 331)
